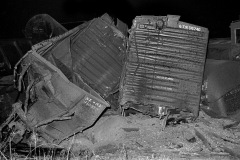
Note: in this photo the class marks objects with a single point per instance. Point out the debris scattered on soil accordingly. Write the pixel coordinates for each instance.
(72, 78)
(141, 137)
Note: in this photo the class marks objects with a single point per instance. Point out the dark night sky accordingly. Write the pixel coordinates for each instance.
(213, 14)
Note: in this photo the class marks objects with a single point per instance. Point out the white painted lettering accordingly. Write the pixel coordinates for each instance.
(193, 28)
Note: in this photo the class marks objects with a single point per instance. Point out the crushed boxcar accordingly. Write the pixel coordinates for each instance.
(69, 76)
(55, 107)
(94, 52)
(38, 28)
(164, 65)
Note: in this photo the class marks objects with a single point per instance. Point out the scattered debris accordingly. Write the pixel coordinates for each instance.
(69, 80)
(60, 74)
(113, 137)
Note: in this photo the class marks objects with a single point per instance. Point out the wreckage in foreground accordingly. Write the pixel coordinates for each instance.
(164, 66)
(92, 52)
(38, 28)
(67, 76)
(58, 107)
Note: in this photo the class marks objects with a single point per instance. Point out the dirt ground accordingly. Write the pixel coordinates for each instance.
(139, 137)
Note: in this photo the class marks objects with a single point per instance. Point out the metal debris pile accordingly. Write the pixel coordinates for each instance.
(141, 137)
(98, 93)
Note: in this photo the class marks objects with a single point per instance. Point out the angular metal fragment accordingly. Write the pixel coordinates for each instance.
(68, 77)
(164, 66)
(93, 52)
(221, 91)
(55, 107)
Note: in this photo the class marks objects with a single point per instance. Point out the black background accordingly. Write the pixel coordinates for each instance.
(212, 14)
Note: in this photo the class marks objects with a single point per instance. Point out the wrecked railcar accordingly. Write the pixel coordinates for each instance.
(68, 77)
(164, 65)
(93, 52)
(38, 28)
(221, 93)
(221, 89)
(55, 107)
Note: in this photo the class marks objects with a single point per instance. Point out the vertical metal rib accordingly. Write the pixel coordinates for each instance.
(164, 65)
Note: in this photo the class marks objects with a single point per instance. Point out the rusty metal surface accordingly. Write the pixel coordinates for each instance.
(165, 64)
(55, 107)
(221, 88)
(93, 51)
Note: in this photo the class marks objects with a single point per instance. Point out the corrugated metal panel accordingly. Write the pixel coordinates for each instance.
(232, 101)
(165, 63)
(59, 108)
(70, 74)
(97, 54)
(93, 51)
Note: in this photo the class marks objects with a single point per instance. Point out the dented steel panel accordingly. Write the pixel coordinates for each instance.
(93, 52)
(165, 64)
(55, 107)
(68, 75)
(221, 91)
(97, 54)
